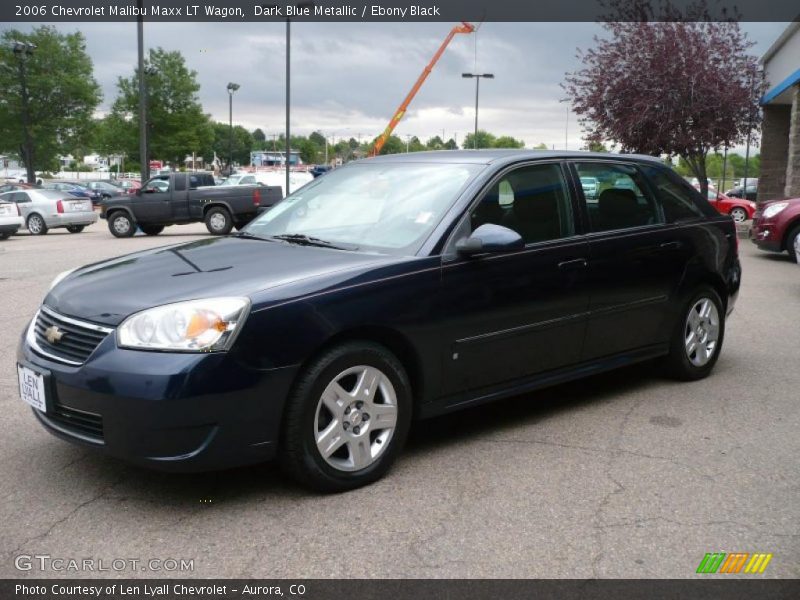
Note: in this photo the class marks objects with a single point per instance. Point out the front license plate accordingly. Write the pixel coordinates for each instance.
(31, 387)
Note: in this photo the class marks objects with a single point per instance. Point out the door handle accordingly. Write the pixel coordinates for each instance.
(670, 246)
(569, 265)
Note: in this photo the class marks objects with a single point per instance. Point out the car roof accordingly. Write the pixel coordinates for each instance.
(487, 157)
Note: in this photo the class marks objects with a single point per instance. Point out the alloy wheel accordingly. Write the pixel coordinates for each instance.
(217, 221)
(739, 215)
(701, 332)
(355, 418)
(122, 225)
(35, 224)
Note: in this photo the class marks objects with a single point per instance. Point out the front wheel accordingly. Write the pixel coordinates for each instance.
(36, 225)
(218, 221)
(793, 244)
(739, 215)
(697, 337)
(347, 418)
(75, 228)
(121, 225)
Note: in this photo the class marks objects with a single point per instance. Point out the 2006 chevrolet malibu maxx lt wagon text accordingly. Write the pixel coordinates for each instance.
(396, 287)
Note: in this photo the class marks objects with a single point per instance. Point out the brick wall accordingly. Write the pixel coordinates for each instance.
(774, 152)
(792, 189)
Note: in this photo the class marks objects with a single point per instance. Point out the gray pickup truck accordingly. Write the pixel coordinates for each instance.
(180, 198)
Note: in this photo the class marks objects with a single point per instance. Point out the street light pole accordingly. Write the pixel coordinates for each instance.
(144, 164)
(232, 87)
(477, 77)
(22, 50)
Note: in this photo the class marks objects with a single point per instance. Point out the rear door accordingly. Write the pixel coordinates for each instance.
(515, 315)
(636, 260)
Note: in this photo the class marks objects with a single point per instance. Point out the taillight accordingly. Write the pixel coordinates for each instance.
(60, 206)
(256, 197)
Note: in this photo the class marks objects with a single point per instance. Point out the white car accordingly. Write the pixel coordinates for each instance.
(297, 179)
(10, 220)
(43, 210)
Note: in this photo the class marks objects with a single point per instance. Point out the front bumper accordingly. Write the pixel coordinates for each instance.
(168, 411)
(766, 235)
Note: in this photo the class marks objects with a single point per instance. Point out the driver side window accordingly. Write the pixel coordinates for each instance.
(531, 200)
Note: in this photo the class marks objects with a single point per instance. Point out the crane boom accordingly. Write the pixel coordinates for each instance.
(401, 110)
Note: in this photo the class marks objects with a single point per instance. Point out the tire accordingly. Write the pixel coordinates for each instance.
(151, 229)
(792, 241)
(75, 228)
(36, 225)
(4, 236)
(121, 225)
(739, 215)
(218, 221)
(703, 311)
(359, 452)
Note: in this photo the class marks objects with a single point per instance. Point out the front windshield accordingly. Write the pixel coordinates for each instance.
(380, 206)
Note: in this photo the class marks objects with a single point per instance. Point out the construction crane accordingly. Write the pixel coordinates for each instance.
(463, 28)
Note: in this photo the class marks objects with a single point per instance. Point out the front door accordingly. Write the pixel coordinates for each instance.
(509, 316)
(154, 202)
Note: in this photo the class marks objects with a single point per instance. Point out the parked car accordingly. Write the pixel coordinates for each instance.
(741, 210)
(104, 188)
(272, 179)
(776, 226)
(73, 189)
(394, 287)
(12, 187)
(43, 210)
(10, 219)
(590, 187)
(318, 170)
(738, 192)
(129, 186)
(181, 198)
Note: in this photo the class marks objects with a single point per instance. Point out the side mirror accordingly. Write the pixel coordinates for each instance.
(490, 239)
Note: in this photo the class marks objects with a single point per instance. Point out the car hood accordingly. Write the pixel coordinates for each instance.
(109, 291)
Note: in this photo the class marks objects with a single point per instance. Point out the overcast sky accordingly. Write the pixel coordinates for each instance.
(348, 78)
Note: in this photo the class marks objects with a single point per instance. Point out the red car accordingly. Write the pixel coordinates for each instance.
(741, 210)
(776, 226)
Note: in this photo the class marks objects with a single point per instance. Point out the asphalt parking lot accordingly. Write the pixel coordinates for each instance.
(622, 475)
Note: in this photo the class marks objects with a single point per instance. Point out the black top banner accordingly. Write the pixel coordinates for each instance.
(392, 10)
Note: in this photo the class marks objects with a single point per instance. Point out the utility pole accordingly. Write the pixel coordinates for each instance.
(232, 87)
(23, 50)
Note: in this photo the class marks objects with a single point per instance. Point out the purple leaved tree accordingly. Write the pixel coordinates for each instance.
(668, 82)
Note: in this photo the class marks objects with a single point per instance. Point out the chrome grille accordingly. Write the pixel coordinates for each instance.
(78, 340)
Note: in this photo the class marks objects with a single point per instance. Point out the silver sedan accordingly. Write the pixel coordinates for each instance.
(43, 210)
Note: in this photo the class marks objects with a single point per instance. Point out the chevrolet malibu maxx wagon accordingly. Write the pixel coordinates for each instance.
(394, 288)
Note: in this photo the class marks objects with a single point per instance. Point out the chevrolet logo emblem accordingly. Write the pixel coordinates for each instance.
(53, 334)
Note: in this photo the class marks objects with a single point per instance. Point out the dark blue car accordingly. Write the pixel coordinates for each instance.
(392, 289)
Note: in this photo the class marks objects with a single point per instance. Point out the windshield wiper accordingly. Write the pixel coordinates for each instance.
(307, 240)
(250, 236)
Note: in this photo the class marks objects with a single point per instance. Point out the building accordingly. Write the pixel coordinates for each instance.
(272, 158)
(780, 137)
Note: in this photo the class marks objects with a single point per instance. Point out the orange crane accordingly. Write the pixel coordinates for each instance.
(376, 148)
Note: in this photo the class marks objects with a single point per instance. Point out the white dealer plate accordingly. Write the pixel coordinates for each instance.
(31, 387)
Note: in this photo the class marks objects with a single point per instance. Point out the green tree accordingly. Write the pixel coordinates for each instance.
(595, 146)
(62, 96)
(176, 123)
(506, 141)
(394, 145)
(435, 143)
(540, 146)
(450, 144)
(259, 137)
(221, 144)
(485, 140)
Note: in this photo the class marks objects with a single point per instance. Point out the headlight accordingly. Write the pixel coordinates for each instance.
(195, 326)
(774, 209)
(60, 277)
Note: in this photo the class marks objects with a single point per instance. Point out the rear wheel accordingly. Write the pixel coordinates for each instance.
(75, 228)
(793, 244)
(697, 337)
(121, 225)
(36, 225)
(739, 215)
(347, 418)
(4, 235)
(218, 221)
(152, 229)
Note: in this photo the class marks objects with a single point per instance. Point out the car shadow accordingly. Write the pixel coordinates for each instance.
(426, 437)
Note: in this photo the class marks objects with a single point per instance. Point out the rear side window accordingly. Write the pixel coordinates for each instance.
(180, 183)
(532, 200)
(616, 197)
(21, 197)
(675, 196)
